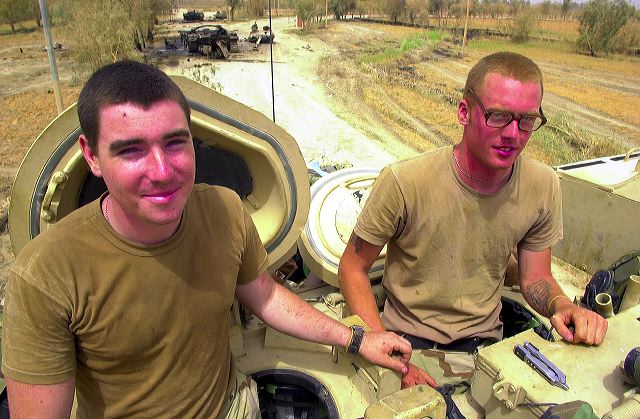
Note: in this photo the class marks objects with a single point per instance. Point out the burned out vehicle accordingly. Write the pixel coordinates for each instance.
(193, 16)
(214, 41)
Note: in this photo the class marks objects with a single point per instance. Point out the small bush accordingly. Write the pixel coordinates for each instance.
(522, 25)
(99, 34)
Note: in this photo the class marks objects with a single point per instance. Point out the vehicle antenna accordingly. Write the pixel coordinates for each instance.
(52, 56)
(273, 97)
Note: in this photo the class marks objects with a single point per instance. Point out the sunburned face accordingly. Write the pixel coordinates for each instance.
(490, 151)
(147, 160)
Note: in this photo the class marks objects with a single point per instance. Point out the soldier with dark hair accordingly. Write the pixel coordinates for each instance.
(127, 299)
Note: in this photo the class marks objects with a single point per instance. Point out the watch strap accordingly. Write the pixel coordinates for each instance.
(357, 333)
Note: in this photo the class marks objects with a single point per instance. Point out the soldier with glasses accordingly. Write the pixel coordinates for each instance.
(450, 219)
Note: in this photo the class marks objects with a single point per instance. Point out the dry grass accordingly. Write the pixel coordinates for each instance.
(30, 113)
(560, 29)
(563, 54)
(562, 142)
(415, 94)
(609, 104)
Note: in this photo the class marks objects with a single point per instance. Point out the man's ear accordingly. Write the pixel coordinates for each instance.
(463, 112)
(89, 155)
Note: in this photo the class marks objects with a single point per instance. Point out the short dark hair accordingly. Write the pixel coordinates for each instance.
(122, 82)
(508, 64)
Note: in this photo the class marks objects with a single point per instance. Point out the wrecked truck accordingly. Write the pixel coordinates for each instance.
(214, 41)
(193, 16)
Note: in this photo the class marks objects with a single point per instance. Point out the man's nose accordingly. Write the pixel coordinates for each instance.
(511, 130)
(160, 168)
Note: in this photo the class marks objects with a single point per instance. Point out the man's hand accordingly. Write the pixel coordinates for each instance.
(590, 328)
(546, 297)
(381, 348)
(415, 376)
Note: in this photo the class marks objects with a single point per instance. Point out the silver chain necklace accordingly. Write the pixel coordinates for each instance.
(106, 208)
(455, 159)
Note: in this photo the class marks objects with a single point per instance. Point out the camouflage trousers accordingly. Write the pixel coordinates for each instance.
(446, 367)
(244, 402)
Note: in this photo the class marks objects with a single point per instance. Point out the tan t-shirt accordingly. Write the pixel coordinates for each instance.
(448, 245)
(143, 329)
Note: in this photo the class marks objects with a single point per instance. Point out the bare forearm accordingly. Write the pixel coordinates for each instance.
(540, 292)
(353, 275)
(356, 288)
(289, 314)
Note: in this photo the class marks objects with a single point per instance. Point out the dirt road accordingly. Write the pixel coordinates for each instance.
(301, 103)
(301, 106)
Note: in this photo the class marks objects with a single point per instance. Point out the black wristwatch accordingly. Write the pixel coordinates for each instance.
(357, 332)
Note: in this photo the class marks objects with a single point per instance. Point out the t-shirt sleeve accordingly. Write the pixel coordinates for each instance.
(254, 257)
(382, 215)
(547, 230)
(37, 344)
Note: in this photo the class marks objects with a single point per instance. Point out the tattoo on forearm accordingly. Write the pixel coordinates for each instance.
(357, 242)
(539, 293)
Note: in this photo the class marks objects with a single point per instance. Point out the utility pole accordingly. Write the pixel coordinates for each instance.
(466, 22)
(52, 56)
(326, 13)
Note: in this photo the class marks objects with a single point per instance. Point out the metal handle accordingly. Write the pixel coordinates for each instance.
(628, 156)
(349, 183)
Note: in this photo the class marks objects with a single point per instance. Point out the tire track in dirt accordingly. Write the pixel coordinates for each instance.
(611, 81)
(429, 132)
(596, 122)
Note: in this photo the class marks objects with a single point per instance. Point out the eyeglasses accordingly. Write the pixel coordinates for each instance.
(500, 119)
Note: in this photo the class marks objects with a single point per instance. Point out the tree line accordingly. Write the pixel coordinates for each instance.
(102, 31)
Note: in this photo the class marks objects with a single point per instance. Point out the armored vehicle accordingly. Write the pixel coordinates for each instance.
(193, 16)
(240, 148)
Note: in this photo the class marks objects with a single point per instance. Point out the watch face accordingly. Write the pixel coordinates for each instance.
(356, 339)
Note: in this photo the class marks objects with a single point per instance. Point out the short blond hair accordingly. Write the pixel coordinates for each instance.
(509, 64)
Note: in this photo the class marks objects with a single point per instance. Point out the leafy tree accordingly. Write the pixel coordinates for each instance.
(438, 8)
(34, 11)
(628, 37)
(599, 23)
(307, 10)
(341, 7)
(522, 24)
(256, 8)
(414, 9)
(515, 6)
(104, 31)
(14, 11)
(566, 5)
(395, 9)
(100, 32)
(545, 8)
(233, 4)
